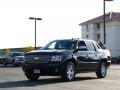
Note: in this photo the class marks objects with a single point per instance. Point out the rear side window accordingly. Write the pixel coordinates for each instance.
(98, 46)
(90, 46)
(82, 46)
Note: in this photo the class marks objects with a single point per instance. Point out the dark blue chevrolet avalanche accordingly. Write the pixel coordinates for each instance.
(66, 58)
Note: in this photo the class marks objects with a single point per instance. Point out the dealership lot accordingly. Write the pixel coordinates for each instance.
(12, 78)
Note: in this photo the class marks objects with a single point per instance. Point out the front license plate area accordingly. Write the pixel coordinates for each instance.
(36, 71)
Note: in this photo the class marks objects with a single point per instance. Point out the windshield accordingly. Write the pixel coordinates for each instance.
(61, 44)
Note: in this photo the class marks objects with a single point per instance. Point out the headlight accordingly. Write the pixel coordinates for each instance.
(56, 58)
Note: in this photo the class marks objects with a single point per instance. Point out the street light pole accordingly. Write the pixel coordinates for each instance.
(35, 35)
(104, 23)
(33, 18)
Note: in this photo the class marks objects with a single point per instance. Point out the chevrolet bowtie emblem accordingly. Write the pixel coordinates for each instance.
(36, 58)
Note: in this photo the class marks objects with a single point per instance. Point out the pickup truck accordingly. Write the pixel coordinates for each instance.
(15, 58)
(66, 58)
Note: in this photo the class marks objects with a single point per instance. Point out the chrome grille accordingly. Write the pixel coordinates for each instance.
(21, 59)
(38, 58)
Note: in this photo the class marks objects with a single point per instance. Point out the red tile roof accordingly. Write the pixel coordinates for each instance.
(108, 16)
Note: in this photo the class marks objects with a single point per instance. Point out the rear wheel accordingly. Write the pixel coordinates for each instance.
(32, 76)
(69, 72)
(102, 71)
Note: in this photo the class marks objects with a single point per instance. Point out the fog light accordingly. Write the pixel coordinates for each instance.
(56, 70)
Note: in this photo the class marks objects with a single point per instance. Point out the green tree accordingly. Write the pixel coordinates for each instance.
(28, 49)
(6, 51)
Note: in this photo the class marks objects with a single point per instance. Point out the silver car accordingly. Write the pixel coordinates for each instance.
(15, 58)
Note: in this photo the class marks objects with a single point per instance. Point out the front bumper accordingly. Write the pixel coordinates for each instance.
(45, 68)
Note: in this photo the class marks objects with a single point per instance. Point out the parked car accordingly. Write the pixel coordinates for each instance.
(15, 58)
(1, 59)
(66, 58)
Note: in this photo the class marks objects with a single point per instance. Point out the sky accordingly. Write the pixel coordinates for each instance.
(60, 19)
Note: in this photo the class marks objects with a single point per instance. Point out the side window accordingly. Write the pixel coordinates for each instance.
(82, 46)
(90, 46)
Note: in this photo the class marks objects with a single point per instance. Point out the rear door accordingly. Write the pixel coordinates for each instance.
(92, 55)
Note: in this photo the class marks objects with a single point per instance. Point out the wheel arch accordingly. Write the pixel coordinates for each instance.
(73, 60)
(105, 60)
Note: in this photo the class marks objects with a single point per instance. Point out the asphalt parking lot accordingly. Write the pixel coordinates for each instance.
(12, 78)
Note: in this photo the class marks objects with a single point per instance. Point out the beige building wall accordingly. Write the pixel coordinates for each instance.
(112, 35)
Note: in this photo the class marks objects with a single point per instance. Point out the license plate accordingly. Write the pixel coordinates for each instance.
(36, 71)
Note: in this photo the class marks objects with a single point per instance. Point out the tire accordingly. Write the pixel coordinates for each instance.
(102, 70)
(32, 76)
(69, 72)
(4, 63)
(14, 64)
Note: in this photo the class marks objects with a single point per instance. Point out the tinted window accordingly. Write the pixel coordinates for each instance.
(82, 46)
(90, 46)
(61, 44)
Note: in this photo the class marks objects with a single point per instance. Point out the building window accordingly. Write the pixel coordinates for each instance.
(98, 36)
(87, 35)
(98, 26)
(87, 28)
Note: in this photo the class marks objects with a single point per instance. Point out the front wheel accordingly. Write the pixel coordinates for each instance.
(69, 72)
(102, 70)
(32, 76)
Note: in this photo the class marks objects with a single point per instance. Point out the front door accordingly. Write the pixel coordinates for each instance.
(82, 57)
(82, 60)
(92, 55)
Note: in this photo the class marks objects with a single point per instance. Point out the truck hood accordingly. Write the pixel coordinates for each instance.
(54, 51)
